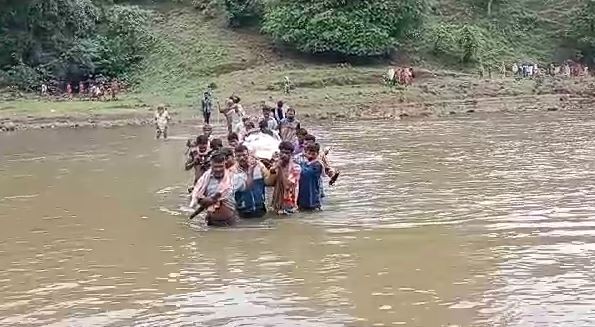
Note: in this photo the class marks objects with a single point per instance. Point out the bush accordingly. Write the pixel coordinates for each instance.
(582, 32)
(68, 40)
(209, 8)
(443, 38)
(346, 27)
(466, 43)
(22, 77)
(243, 12)
(124, 39)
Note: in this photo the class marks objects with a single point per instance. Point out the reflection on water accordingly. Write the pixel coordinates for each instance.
(478, 220)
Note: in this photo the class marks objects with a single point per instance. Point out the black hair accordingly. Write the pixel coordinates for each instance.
(216, 143)
(218, 158)
(227, 152)
(288, 146)
(280, 103)
(313, 147)
(290, 109)
(233, 136)
(250, 125)
(241, 148)
(302, 131)
(202, 140)
(235, 99)
(310, 137)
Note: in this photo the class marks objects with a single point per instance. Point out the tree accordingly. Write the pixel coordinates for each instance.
(346, 27)
(582, 32)
(487, 5)
(68, 39)
(242, 12)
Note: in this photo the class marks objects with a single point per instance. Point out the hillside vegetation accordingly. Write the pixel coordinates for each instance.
(239, 47)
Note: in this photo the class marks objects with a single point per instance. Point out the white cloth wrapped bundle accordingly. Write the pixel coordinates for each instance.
(261, 145)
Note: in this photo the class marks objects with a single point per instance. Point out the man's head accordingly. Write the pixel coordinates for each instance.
(241, 154)
(249, 125)
(279, 104)
(290, 114)
(236, 99)
(309, 140)
(286, 151)
(301, 133)
(206, 94)
(233, 139)
(218, 165)
(160, 108)
(216, 144)
(207, 130)
(229, 157)
(202, 142)
(312, 151)
(266, 113)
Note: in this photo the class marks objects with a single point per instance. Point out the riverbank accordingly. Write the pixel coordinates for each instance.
(331, 93)
(193, 52)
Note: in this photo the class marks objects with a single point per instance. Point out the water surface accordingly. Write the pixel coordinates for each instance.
(469, 220)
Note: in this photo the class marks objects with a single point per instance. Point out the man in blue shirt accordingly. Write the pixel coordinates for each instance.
(250, 201)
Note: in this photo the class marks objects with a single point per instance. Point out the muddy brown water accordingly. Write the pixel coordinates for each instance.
(465, 221)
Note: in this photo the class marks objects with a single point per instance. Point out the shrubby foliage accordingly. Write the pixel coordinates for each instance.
(346, 27)
(582, 32)
(465, 43)
(61, 40)
(237, 12)
(243, 12)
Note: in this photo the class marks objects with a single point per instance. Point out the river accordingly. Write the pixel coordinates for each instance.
(457, 221)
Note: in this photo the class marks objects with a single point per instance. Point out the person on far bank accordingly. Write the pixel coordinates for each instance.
(162, 119)
(207, 107)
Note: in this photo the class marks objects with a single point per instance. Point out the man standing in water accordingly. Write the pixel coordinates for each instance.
(310, 191)
(207, 107)
(328, 169)
(285, 177)
(198, 158)
(289, 126)
(216, 189)
(162, 118)
(234, 112)
(250, 202)
(207, 130)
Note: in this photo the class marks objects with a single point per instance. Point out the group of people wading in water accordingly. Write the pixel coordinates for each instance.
(231, 182)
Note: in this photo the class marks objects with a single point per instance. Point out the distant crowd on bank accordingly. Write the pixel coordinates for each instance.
(568, 69)
(93, 88)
